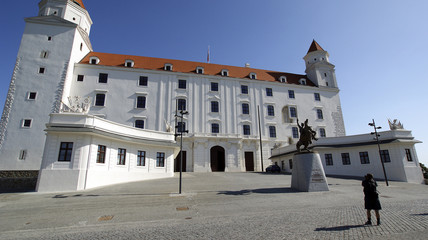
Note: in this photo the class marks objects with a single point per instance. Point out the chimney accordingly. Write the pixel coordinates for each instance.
(247, 65)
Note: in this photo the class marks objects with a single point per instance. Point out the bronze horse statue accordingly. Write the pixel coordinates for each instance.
(306, 135)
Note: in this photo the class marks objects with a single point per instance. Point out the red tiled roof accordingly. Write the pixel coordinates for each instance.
(80, 3)
(118, 60)
(314, 47)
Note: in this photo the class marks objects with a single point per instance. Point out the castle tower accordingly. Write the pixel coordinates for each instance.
(318, 67)
(51, 44)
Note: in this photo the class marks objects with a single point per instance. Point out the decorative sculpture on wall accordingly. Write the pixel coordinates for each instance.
(306, 135)
(394, 125)
(76, 105)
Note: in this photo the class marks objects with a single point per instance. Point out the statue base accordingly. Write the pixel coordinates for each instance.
(308, 173)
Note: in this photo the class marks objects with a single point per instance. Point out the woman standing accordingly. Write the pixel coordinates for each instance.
(371, 198)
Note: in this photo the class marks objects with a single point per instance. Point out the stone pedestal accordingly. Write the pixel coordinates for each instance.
(308, 173)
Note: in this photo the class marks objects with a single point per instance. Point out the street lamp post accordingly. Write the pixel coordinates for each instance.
(181, 130)
(373, 124)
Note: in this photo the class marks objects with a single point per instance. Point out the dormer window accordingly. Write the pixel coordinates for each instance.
(168, 67)
(283, 79)
(302, 81)
(129, 63)
(225, 73)
(253, 76)
(200, 70)
(94, 60)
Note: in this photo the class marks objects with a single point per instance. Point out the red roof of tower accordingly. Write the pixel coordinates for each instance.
(315, 47)
(80, 3)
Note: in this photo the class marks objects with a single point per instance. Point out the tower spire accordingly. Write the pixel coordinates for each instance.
(315, 47)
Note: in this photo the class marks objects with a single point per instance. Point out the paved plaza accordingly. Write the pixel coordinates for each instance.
(215, 206)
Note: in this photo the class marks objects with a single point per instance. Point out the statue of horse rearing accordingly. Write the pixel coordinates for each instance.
(306, 136)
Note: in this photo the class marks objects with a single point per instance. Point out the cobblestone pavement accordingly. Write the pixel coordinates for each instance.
(215, 206)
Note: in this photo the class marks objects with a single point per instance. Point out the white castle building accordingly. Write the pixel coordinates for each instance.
(87, 119)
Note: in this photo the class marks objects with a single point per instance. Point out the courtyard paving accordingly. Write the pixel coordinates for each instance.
(215, 206)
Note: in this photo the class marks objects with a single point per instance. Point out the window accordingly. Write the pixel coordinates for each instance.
(81, 46)
(346, 160)
(141, 102)
(181, 127)
(139, 123)
(65, 150)
(244, 89)
(215, 128)
(253, 76)
(129, 63)
(364, 158)
(317, 97)
(32, 95)
(200, 70)
(245, 108)
(100, 99)
(246, 129)
(26, 123)
(214, 86)
(181, 104)
(384, 156)
(290, 94)
(143, 81)
(214, 106)
(302, 81)
(319, 114)
(272, 131)
(80, 78)
(293, 112)
(49, 38)
(225, 72)
(160, 159)
(295, 132)
(269, 92)
(270, 110)
(22, 154)
(290, 163)
(182, 84)
(283, 79)
(103, 78)
(322, 132)
(328, 159)
(42, 70)
(44, 54)
(141, 158)
(94, 60)
(409, 155)
(101, 155)
(168, 67)
(121, 156)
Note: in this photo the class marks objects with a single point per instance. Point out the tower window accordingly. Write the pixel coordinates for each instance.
(44, 54)
(141, 102)
(325, 74)
(49, 38)
(32, 95)
(42, 70)
(100, 99)
(80, 78)
(26, 123)
(22, 154)
(409, 155)
(139, 123)
(81, 46)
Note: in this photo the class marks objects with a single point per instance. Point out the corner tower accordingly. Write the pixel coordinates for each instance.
(52, 43)
(318, 67)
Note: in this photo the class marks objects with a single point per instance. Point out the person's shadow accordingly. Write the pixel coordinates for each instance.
(339, 228)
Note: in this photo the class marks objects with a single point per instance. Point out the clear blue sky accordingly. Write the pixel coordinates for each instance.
(379, 47)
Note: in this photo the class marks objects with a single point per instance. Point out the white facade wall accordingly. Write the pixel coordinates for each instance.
(396, 142)
(86, 133)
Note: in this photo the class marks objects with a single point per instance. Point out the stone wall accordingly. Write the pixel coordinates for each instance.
(18, 181)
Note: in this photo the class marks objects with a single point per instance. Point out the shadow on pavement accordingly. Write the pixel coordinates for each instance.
(339, 228)
(260, 190)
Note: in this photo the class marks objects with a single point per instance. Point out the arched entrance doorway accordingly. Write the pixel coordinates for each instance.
(217, 159)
